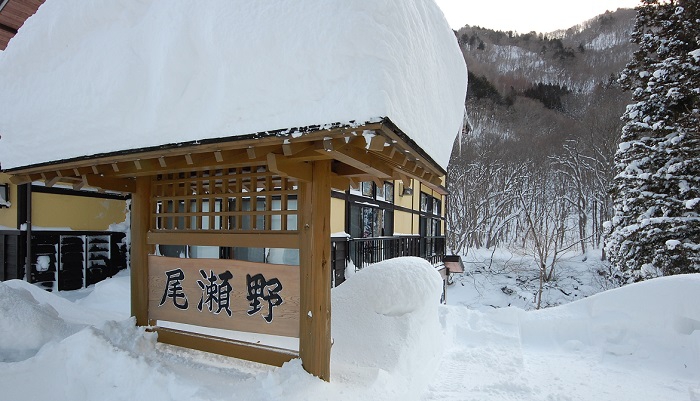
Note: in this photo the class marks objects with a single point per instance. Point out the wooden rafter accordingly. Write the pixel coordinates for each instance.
(289, 168)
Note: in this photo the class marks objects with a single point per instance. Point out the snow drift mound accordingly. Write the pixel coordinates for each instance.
(654, 322)
(113, 295)
(26, 325)
(386, 317)
(114, 362)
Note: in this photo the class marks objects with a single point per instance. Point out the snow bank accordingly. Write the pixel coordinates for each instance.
(655, 321)
(82, 79)
(26, 325)
(385, 317)
(639, 342)
(113, 295)
(109, 363)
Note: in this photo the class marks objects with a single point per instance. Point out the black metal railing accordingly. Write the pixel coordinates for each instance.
(357, 253)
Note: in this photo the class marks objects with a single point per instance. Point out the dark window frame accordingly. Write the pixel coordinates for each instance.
(4, 194)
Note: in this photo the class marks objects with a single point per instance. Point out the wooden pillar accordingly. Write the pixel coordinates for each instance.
(140, 218)
(315, 267)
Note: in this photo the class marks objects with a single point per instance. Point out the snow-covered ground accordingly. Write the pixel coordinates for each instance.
(498, 278)
(392, 341)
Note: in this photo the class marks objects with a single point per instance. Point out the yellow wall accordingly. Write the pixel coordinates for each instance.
(406, 223)
(404, 201)
(337, 215)
(402, 223)
(76, 212)
(8, 216)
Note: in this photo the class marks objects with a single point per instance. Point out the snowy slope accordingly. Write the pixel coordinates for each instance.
(110, 75)
(639, 342)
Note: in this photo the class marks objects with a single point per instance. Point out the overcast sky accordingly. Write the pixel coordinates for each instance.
(525, 16)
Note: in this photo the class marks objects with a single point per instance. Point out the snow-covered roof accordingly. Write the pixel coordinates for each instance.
(85, 78)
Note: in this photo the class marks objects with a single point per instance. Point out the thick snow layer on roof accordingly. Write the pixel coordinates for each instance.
(84, 78)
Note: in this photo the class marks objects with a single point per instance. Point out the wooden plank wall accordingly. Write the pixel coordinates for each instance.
(12, 17)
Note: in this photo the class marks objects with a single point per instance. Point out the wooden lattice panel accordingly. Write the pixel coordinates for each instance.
(250, 199)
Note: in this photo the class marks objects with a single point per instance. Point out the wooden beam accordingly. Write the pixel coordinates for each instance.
(341, 183)
(168, 165)
(218, 156)
(376, 144)
(327, 144)
(292, 148)
(251, 152)
(110, 183)
(140, 218)
(314, 261)
(315, 150)
(8, 29)
(20, 179)
(287, 168)
(79, 185)
(224, 346)
(50, 183)
(288, 240)
(396, 163)
(361, 159)
(396, 141)
(406, 181)
(173, 151)
(344, 170)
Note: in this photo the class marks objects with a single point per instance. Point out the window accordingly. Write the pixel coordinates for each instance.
(368, 221)
(426, 202)
(389, 192)
(379, 194)
(430, 227)
(367, 187)
(4, 195)
(384, 192)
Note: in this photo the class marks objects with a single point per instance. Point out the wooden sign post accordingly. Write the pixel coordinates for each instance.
(281, 300)
(314, 258)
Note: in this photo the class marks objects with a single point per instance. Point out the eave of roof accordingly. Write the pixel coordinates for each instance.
(391, 155)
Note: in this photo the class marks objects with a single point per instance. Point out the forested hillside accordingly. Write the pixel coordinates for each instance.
(534, 167)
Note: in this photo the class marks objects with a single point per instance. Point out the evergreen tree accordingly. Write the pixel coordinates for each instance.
(656, 225)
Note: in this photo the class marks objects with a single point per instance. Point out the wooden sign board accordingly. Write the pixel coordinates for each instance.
(225, 294)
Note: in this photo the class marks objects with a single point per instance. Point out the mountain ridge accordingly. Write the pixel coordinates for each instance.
(534, 166)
